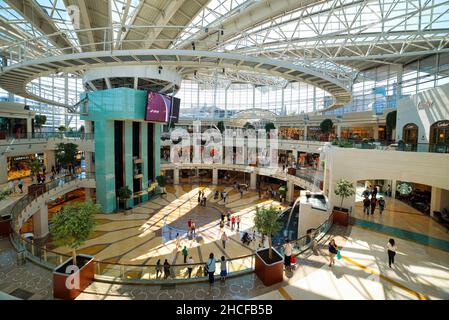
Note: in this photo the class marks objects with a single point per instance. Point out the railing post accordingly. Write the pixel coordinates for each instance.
(32, 247)
(45, 253)
(122, 269)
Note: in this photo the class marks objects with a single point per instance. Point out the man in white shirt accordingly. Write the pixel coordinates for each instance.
(287, 254)
(190, 266)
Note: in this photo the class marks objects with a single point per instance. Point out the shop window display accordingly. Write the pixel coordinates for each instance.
(19, 166)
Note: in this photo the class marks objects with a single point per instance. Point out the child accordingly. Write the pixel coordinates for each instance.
(224, 271)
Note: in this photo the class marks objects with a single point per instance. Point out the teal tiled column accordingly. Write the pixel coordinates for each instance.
(105, 170)
(128, 158)
(157, 149)
(144, 156)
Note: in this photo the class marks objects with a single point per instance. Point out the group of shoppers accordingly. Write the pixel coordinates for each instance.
(370, 204)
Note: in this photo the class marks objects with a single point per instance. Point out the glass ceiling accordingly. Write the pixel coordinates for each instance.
(323, 36)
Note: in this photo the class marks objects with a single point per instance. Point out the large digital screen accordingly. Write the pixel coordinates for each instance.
(174, 112)
(162, 108)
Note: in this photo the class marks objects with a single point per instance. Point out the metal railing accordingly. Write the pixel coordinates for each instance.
(26, 200)
(383, 145)
(118, 272)
(46, 136)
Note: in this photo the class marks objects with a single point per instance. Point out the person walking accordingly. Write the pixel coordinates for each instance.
(185, 253)
(287, 254)
(223, 269)
(11, 187)
(14, 182)
(391, 250)
(158, 268)
(333, 250)
(228, 217)
(53, 170)
(178, 240)
(238, 222)
(190, 266)
(381, 205)
(224, 238)
(166, 269)
(373, 204)
(193, 228)
(389, 191)
(189, 224)
(241, 193)
(44, 168)
(366, 205)
(374, 193)
(210, 267)
(21, 185)
(232, 223)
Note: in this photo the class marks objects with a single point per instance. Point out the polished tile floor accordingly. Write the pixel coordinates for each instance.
(420, 272)
(147, 233)
(400, 215)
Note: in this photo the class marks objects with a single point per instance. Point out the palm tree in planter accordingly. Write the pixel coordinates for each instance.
(71, 228)
(343, 189)
(269, 263)
(35, 168)
(124, 194)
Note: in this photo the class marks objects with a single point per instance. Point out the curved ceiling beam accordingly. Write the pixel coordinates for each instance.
(251, 16)
(16, 77)
(40, 20)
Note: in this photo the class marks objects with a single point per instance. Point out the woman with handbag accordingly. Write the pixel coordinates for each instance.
(333, 250)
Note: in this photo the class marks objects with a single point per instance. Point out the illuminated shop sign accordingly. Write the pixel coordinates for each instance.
(404, 188)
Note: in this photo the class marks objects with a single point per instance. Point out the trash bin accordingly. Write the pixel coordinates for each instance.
(21, 257)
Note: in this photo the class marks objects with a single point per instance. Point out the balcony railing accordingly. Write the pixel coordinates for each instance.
(408, 147)
(46, 136)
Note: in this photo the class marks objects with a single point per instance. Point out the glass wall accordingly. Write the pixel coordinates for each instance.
(200, 101)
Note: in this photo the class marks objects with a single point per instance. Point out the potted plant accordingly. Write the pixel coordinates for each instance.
(162, 182)
(66, 154)
(268, 127)
(221, 126)
(39, 121)
(71, 228)
(326, 127)
(269, 265)
(343, 189)
(124, 194)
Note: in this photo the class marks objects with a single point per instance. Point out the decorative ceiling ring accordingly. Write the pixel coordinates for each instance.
(16, 77)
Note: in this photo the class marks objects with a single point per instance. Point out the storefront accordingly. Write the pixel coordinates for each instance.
(357, 133)
(423, 120)
(309, 160)
(314, 133)
(13, 127)
(414, 194)
(439, 136)
(19, 166)
(291, 133)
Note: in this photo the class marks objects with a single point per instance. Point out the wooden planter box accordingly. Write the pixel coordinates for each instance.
(5, 225)
(85, 274)
(340, 216)
(272, 273)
